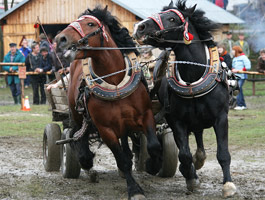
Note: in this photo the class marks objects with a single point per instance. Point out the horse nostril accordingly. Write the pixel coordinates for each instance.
(141, 27)
(63, 40)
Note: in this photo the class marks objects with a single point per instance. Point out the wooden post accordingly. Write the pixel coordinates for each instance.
(253, 88)
(22, 76)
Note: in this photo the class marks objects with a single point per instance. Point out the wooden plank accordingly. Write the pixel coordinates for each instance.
(61, 107)
(58, 92)
(60, 100)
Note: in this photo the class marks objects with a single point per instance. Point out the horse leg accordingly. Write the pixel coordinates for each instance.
(124, 162)
(81, 147)
(223, 155)
(154, 163)
(126, 149)
(185, 157)
(200, 155)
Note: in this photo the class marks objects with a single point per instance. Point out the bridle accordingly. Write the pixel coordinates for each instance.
(84, 37)
(159, 35)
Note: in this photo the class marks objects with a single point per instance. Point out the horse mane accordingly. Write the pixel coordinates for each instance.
(119, 34)
(202, 24)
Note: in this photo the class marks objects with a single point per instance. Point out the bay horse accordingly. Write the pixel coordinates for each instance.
(187, 32)
(114, 119)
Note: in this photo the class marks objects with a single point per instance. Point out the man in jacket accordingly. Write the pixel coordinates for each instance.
(229, 43)
(243, 44)
(261, 61)
(32, 63)
(14, 55)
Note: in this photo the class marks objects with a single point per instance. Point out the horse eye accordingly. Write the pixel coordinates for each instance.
(90, 24)
(171, 19)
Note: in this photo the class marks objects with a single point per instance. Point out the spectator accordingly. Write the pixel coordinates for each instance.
(14, 55)
(224, 56)
(219, 3)
(229, 43)
(44, 42)
(57, 64)
(261, 61)
(45, 66)
(243, 44)
(25, 51)
(32, 63)
(148, 69)
(240, 63)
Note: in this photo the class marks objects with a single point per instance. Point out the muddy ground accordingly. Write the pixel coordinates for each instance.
(22, 176)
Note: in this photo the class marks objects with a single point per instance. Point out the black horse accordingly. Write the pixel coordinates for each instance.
(187, 32)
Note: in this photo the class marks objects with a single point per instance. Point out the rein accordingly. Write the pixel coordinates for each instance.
(162, 40)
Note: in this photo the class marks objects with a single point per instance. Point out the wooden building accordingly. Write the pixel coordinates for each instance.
(55, 15)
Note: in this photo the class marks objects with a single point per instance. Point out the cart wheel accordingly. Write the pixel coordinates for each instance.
(70, 167)
(143, 155)
(51, 151)
(170, 154)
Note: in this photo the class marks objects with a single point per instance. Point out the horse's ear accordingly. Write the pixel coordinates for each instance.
(105, 9)
(192, 9)
(90, 11)
(171, 4)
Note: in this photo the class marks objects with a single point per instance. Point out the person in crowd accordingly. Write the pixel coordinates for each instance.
(33, 63)
(240, 63)
(56, 63)
(229, 43)
(25, 51)
(14, 55)
(261, 61)
(221, 3)
(45, 66)
(44, 42)
(224, 56)
(243, 44)
(148, 69)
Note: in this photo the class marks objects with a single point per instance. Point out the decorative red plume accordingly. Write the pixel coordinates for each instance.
(190, 36)
(36, 25)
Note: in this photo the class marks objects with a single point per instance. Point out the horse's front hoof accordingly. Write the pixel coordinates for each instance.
(198, 159)
(152, 167)
(192, 184)
(229, 189)
(138, 197)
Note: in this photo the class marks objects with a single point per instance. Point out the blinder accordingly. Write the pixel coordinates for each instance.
(84, 37)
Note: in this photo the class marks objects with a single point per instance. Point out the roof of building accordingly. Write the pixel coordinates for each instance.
(13, 9)
(145, 8)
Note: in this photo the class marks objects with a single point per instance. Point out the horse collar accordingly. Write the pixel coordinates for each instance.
(105, 91)
(202, 86)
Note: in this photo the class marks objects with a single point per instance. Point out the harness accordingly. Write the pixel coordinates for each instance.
(204, 85)
(84, 38)
(187, 37)
(105, 91)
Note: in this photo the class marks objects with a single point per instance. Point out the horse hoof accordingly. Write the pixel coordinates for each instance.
(229, 189)
(198, 159)
(192, 184)
(138, 197)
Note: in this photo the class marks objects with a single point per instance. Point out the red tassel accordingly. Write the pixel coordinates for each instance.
(190, 36)
(36, 25)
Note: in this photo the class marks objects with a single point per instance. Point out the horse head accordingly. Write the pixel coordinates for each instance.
(87, 31)
(170, 24)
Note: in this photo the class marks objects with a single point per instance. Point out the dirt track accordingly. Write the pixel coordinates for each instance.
(22, 176)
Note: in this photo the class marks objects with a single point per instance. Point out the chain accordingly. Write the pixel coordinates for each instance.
(190, 63)
(147, 63)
